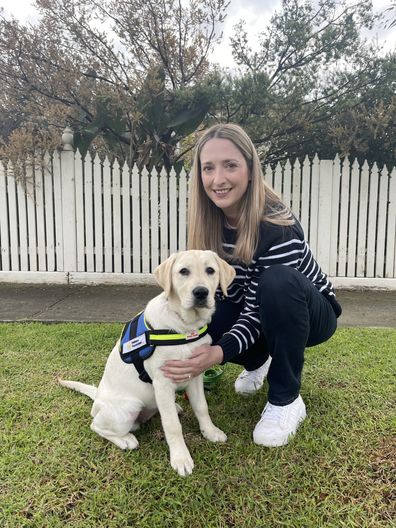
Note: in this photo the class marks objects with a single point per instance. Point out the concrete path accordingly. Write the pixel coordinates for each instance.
(58, 303)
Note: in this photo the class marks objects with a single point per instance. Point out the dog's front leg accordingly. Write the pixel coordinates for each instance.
(180, 457)
(196, 396)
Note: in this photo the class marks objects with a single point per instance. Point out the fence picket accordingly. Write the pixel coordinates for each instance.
(4, 238)
(145, 222)
(381, 226)
(335, 211)
(372, 221)
(22, 226)
(353, 220)
(362, 221)
(287, 183)
(13, 219)
(126, 217)
(390, 263)
(80, 220)
(305, 196)
(117, 220)
(163, 215)
(343, 221)
(135, 219)
(154, 209)
(107, 217)
(56, 167)
(88, 215)
(324, 219)
(173, 227)
(182, 238)
(277, 176)
(31, 217)
(296, 189)
(97, 184)
(49, 212)
(314, 201)
(39, 203)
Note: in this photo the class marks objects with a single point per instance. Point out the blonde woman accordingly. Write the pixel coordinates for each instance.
(280, 301)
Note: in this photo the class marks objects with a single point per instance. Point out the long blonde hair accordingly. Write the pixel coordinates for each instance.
(259, 203)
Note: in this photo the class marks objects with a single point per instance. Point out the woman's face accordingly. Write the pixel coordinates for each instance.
(225, 176)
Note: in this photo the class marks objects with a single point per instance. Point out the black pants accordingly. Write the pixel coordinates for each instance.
(294, 315)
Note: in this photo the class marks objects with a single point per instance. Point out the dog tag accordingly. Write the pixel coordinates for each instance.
(133, 344)
(193, 335)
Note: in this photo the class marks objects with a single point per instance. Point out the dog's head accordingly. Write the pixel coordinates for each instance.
(192, 277)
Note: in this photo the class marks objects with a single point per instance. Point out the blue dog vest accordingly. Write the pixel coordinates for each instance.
(138, 341)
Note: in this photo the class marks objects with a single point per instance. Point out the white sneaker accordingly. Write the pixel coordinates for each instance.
(250, 381)
(278, 423)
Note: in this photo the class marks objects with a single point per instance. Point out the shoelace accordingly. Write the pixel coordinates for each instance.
(253, 375)
(273, 413)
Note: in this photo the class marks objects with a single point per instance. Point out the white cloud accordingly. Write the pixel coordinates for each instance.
(23, 10)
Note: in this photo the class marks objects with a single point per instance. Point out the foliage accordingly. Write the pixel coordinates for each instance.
(392, 9)
(103, 67)
(56, 472)
(133, 79)
(311, 68)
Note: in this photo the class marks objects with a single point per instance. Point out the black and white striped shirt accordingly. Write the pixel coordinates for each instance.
(283, 245)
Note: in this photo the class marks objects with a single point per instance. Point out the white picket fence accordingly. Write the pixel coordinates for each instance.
(83, 218)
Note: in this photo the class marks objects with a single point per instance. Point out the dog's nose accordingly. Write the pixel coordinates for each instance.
(200, 293)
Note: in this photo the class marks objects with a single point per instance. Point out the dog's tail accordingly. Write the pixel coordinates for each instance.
(88, 390)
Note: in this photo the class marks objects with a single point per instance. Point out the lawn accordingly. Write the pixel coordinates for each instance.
(339, 471)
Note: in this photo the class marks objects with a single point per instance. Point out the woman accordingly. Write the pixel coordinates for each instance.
(280, 301)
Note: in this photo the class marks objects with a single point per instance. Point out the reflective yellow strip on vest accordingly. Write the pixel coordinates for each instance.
(171, 337)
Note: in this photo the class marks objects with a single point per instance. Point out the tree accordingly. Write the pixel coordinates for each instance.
(101, 66)
(312, 66)
(366, 129)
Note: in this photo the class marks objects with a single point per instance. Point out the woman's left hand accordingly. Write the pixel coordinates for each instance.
(202, 358)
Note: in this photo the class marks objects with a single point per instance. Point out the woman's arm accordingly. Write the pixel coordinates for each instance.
(202, 358)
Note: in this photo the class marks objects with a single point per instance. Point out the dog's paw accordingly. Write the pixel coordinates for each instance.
(182, 463)
(128, 441)
(214, 434)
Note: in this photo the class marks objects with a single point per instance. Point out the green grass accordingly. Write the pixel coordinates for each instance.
(337, 472)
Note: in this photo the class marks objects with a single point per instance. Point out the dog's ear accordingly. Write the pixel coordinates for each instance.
(227, 274)
(163, 274)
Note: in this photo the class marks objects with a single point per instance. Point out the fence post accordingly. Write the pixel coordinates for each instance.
(68, 187)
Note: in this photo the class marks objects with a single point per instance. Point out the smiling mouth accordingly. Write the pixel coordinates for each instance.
(221, 192)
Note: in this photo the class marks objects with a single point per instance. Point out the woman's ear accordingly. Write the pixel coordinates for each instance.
(163, 274)
(227, 274)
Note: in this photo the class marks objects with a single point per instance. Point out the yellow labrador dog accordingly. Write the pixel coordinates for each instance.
(122, 400)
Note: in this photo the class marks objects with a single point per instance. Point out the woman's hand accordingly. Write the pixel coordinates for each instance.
(202, 358)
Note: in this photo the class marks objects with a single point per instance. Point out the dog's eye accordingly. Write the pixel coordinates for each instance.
(210, 271)
(184, 271)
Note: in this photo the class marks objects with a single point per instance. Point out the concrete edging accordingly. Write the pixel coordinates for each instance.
(80, 278)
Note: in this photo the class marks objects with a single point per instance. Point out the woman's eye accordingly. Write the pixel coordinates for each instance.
(210, 271)
(184, 271)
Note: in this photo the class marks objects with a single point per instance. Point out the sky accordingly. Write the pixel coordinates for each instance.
(256, 14)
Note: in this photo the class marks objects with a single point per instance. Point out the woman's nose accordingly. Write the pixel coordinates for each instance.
(218, 175)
